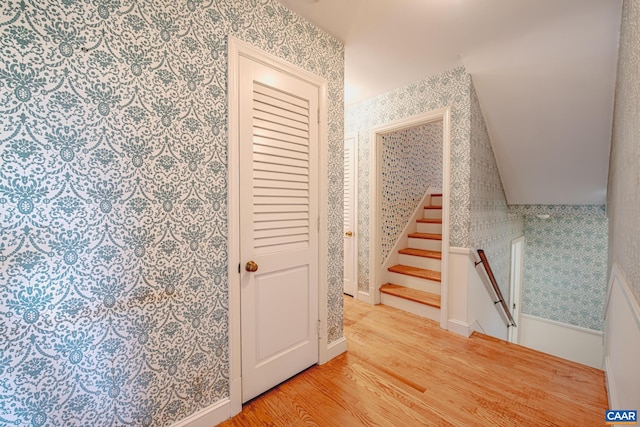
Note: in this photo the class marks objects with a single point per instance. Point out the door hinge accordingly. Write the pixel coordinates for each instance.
(238, 267)
(318, 116)
(319, 325)
(318, 222)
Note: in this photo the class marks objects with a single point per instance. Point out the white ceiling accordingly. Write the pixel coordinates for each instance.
(544, 71)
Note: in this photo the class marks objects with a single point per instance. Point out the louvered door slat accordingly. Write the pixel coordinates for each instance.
(275, 114)
(281, 201)
(281, 140)
(279, 128)
(267, 183)
(279, 96)
(283, 192)
(266, 99)
(276, 176)
(278, 225)
(276, 151)
(270, 218)
(280, 160)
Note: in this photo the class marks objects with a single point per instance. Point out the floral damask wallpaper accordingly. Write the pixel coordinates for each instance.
(113, 202)
(591, 211)
(623, 195)
(450, 88)
(565, 267)
(411, 162)
(492, 226)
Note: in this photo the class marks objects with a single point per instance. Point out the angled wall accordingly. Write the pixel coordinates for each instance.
(492, 225)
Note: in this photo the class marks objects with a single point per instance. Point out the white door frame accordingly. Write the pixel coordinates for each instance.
(238, 48)
(375, 183)
(516, 277)
(355, 137)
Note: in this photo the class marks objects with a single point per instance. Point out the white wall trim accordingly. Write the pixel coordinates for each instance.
(459, 250)
(364, 296)
(622, 343)
(616, 275)
(446, 206)
(375, 261)
(236, 49)
(459, 327)
(209, 416)
(235, 334)
(516, 279)
(335, 349)
(580, 345)
(610, 383)
(563, 325)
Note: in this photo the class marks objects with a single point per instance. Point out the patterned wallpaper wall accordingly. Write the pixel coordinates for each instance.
(411, 162)
(448, 88)
(565, 268)
(113, 190)
(592, 211)
(492, 226)
(623, 195)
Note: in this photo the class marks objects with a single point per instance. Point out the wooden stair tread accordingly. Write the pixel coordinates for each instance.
(426, 236)
(433, 207)
(416, 272)
(429, 220)
(421, 253)
(436, 195)
(410, 294)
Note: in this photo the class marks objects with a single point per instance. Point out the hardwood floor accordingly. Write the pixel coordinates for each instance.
(403, 370)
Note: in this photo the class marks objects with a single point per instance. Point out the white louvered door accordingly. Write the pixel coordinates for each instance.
(350, 220)
(278, 226)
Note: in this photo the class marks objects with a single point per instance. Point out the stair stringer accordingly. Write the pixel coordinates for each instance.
(403, 241)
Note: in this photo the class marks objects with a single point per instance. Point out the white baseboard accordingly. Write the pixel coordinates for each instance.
(569, 342)
(364, 297)
(612, 390)
(336, 348)
(236, 397)
(459, 327)
(622, 343)
(210, 416)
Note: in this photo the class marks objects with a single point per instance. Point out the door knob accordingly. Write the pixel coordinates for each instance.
(251, 267)
(348, 233)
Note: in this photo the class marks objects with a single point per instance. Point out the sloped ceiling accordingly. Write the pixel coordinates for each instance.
(544, 72)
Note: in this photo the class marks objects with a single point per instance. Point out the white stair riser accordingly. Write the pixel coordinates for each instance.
(428, 244)
(436, 200)
(416, 308)
(432, 213)
(425, 227)
(414, 282)
(420, 262)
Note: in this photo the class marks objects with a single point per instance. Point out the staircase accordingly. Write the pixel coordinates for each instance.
(415, 282)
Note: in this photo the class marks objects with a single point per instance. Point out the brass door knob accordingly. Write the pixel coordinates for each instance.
(348, 233)
(251, 267)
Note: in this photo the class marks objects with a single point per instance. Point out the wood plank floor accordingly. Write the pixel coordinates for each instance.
(402, 370)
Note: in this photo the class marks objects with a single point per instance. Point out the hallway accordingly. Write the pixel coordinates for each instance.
(387, 379)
